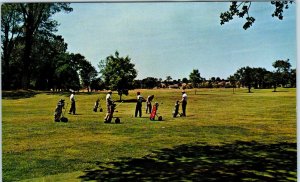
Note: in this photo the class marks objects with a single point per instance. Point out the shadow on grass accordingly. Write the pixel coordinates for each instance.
(127, 101)
(18, 94)
(240, 161)
(280, 91)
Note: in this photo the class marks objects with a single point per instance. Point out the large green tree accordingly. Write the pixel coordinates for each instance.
(26, 29)
(10, 28)
(195, 77)
(185, 80)
(150, 82)
(36, 18)
(168, 80)
(66, 73)
(246, 77)
(258, 76)
(283, 68)
(97, 84)
(46, 60)
(88, 73)
(118, 73)
(76, 68)
(233, 80)
(32, 52)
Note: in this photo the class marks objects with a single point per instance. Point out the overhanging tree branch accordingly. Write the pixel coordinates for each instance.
(239, 10)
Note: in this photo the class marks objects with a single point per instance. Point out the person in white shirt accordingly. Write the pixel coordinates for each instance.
(109, 105)
(73, 106)
(184, 103)
(138, 108)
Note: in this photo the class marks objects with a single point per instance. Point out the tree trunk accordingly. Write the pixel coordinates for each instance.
(29, 30)
(5, 71)
(7, 49)
(26, 62)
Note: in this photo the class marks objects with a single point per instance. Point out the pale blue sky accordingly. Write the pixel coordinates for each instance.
(172, 39)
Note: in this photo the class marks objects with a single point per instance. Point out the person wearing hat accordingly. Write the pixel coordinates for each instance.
(138, 108)
(73, 106)
(184, 103)
(109, 105)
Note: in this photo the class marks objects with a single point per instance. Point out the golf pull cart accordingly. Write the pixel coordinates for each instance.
(110, 117)
(176, 110)
(97, 105)
(58, 114)
(154, 113)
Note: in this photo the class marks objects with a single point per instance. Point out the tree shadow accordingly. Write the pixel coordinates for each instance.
(280, 91)
(18, 94)
(75, 114)
(240, 161)
(61, 93)
(127, 101)
(143, 117)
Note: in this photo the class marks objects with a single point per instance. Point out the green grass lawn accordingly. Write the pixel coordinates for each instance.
(34, 146)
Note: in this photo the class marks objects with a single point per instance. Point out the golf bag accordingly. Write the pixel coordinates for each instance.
(176, 109)
(111, 114)
(58, 112)
(96, 106)
(154, 111)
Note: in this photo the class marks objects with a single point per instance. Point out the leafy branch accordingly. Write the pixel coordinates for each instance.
(242, 9)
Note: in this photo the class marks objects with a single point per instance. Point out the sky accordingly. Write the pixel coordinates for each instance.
(172, 39)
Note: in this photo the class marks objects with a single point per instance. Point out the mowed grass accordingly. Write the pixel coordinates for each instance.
(34, 146)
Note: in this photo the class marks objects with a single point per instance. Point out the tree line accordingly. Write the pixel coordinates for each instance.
(119, 74)
(282, 76)
(34, 57)
(250, 77)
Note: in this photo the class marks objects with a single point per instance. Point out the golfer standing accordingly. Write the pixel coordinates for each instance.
(73, 106)
(184, 103)
(138, 108)
(109, 103)
(149, 105)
